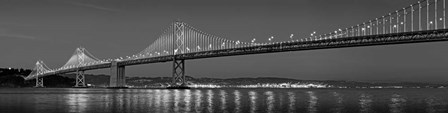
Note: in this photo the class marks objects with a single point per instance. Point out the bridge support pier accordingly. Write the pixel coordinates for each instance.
(117, 76)
(39, 82)
(80, 79)
(179, 81)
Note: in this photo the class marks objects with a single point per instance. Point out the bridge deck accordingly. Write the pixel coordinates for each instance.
(358, 41)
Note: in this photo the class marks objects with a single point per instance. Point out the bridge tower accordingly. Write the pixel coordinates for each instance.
(80, 78)
(179, 80)
(39, 70)
(39, 82)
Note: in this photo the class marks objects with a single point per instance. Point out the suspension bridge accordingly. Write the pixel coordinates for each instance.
(424, 21)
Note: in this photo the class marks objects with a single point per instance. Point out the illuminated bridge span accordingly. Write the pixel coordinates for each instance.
(424, 21)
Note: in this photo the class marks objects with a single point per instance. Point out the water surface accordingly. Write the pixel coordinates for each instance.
(57, 100)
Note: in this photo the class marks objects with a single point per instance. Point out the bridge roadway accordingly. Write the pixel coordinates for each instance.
(356, 41)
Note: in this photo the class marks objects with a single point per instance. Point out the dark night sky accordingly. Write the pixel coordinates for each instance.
(50, 30)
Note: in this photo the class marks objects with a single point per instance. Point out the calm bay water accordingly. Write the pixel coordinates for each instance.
(51, 100)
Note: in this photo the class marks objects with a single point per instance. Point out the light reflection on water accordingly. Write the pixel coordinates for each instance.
(237, 101)
(224, 100)
(312, 102)
(253, 101)
(365, 103)
(198, 101)
(77, 102)
(150, 98)
(397, 103)
(292, 101)
(339, 104)
(158, 94)
(431, 103)
(435, 105)
(176, 101)
(187, 100)
(210, 101)
(270, 101)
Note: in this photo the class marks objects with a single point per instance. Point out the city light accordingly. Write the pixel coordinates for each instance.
(272, 37)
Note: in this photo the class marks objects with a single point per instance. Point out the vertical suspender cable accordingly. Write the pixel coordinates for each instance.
(427, 14)
(419, 16)
(435, 14)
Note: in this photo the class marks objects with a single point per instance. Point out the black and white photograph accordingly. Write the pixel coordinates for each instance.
(223, 56)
